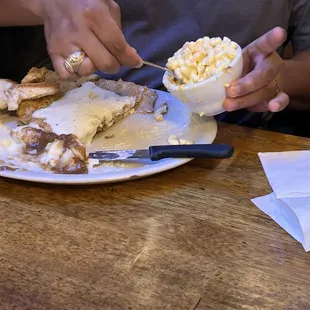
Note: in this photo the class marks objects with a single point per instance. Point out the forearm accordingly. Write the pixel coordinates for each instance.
(20, 13)
(295, 80)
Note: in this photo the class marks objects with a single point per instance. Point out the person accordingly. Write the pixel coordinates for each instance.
(94, 32)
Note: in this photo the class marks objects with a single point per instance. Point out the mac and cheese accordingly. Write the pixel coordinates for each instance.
(197, 61)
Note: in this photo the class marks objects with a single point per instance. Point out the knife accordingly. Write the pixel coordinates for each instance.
(154, 153)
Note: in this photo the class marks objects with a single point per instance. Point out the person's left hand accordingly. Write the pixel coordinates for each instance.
(258, 89)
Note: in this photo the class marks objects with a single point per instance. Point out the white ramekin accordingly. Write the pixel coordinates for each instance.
(207, 97)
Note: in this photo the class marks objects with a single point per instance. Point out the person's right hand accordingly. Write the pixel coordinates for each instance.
(93, 26)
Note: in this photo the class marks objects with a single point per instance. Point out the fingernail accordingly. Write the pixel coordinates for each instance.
(139, 65)
(274, 107)
(284, 34)
(132, 52)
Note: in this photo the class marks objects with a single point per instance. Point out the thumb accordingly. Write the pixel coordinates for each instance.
(267, 44)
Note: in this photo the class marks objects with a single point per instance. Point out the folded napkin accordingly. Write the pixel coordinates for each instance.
(288, 173)
(289, 205)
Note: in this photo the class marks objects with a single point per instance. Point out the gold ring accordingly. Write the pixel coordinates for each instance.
(74, 61)
(277, 87)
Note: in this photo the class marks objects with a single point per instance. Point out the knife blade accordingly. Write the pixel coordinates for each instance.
(158, 152)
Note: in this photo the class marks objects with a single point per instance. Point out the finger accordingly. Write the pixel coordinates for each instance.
(115, 12)
(261, 76)
(87, 67)
(54, 48)
(258, 97)
(116, 44)
(111, 36)
(101, 58)
(58, 58)
(59, 67)
(267, 43)
(279, 103)
(248, 66)
(261, 107)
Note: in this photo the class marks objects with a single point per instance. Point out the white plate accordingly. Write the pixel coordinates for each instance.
(137, 131)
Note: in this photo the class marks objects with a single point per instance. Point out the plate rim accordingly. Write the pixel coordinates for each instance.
(84, 179)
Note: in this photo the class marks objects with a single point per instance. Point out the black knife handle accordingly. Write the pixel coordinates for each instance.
(216, 151)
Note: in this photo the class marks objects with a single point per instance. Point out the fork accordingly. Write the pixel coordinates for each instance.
(147, 63)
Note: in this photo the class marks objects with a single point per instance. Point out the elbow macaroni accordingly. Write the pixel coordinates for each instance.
(197, 61)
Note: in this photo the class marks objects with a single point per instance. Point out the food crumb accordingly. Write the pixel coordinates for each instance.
(161, 111)
(201, 114)
(92, 95)
(226, 84)
(174, 140)
(228, 69)
(109, 136)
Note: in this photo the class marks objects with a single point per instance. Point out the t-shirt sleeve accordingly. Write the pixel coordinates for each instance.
(299, 26)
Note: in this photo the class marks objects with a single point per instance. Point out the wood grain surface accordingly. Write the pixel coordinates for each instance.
(188, 238)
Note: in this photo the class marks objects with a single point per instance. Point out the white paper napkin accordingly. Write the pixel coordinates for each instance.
(288, 173)
(293, 215)
(289, 205)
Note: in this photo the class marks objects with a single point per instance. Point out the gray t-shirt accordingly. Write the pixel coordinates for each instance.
(157, 28)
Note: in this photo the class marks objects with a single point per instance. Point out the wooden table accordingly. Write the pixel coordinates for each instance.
(165, 242)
